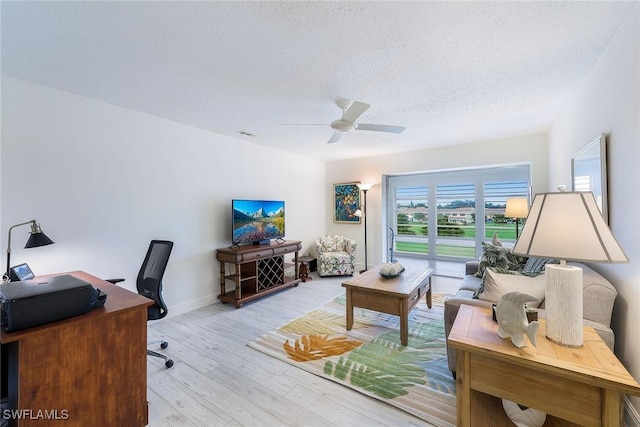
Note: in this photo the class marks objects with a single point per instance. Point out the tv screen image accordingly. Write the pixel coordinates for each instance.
(257, 220)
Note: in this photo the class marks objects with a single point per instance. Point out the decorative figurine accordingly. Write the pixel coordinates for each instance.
(512, 319)
(523, 416)
(495, 241)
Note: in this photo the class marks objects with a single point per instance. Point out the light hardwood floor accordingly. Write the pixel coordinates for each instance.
(218, 380)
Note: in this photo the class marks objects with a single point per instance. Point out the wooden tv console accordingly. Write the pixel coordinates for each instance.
(258, 270)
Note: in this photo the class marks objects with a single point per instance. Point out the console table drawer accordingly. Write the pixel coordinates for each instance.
(250, 256)
(284, 250)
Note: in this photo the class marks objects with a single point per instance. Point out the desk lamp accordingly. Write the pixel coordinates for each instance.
(566, 226)
(36, 238)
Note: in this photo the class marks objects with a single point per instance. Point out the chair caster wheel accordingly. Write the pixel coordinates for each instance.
(164, 345)
(168, 363)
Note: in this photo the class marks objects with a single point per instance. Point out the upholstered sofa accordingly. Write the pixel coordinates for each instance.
(598, 296)
(336, 255)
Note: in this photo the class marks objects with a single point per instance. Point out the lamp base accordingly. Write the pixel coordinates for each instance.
(564, 305)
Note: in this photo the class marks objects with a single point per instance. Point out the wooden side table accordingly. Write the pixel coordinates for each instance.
(584, 385)
(305, 262)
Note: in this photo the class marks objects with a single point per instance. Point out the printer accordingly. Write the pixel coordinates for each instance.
(34, 302)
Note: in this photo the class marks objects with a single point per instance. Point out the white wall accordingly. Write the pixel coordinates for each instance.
(609, 102)
(104, 180)
(531, 148)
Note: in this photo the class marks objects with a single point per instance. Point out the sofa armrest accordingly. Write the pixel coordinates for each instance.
(471, 267)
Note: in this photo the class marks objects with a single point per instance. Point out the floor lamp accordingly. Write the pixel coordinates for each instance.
(566, 226)
(36, 238)
(517, 208)
(363, 213)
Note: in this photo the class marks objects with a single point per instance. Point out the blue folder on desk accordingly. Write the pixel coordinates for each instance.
(34, 302)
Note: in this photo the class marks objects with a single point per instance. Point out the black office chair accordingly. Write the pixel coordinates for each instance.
(149, 284)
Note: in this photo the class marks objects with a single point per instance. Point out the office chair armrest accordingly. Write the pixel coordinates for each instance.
(114, 281)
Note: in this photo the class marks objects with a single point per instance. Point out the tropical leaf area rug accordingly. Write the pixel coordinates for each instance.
(370, 358)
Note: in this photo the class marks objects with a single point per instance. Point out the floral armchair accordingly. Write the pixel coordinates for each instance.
(336, 255)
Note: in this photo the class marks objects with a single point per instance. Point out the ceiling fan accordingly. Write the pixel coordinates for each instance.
(351, 111)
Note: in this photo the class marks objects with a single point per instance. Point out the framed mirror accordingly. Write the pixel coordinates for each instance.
(589, 172)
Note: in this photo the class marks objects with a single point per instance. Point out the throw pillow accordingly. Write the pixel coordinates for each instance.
(499, 257)
(535, 265)
(495, 285)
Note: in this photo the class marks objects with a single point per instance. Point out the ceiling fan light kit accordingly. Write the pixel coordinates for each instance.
(351, 111)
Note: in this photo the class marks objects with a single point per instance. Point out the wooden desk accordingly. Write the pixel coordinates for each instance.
(583, 386)
(88, 370)
(392, 296)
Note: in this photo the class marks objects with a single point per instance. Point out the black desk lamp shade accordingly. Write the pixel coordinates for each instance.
(36, 238)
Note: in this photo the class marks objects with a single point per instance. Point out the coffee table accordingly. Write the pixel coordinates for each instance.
(395, 296)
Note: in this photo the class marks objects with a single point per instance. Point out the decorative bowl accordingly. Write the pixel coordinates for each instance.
(391, 276)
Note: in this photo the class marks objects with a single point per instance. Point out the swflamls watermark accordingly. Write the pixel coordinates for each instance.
(35, 414)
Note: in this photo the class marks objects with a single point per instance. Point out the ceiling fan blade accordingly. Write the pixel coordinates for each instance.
(354, 111)
(336, 136)
(379, 128)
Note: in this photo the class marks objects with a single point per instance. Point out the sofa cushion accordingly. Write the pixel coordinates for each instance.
(496, 284)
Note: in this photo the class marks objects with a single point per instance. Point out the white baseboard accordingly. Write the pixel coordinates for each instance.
(631, 416)
(176, 310)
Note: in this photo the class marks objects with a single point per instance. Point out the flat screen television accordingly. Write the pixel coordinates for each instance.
(257, 221)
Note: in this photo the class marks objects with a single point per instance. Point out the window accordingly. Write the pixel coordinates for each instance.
(456, 220)
(495, 202)
(411, 216)
(450, 203)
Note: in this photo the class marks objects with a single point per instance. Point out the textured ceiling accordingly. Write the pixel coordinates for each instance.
(450, 72)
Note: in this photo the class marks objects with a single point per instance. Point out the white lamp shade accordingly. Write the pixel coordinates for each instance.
(568, 226)
(364, 187)
(517, 207)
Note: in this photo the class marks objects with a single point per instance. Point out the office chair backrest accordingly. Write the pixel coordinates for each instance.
(149, 282)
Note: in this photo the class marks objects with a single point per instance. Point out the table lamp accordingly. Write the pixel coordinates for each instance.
(566, 226)
(363, 213)
(36, 238)
(517, 208)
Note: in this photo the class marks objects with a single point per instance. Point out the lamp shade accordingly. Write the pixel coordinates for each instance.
(568, 226)
(365, 187)
(517, 207)
(38, 239)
